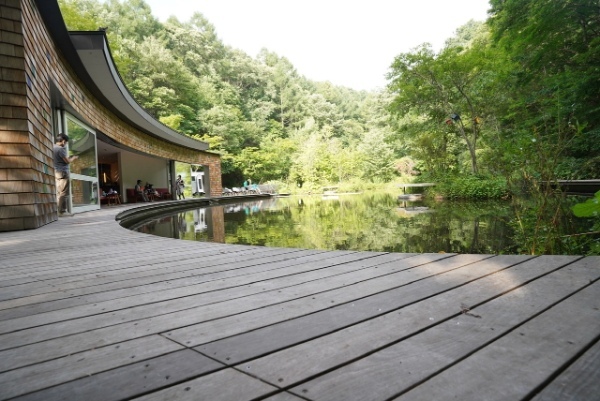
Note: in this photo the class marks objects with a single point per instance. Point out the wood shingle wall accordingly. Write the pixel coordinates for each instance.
(26, 176)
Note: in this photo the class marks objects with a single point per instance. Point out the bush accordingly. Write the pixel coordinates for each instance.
(470, 188)
(357, 185)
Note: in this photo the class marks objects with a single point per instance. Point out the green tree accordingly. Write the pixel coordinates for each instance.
(453, 86)
(259, 114)
(131, 19)
(81, 15)
(555, 47)
(271, 162)
(378, 157)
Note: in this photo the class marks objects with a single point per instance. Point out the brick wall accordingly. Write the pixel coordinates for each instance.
(29, 63)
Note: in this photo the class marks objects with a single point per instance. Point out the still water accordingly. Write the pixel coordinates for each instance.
(365, 222)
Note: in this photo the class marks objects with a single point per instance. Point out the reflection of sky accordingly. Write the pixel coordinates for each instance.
(250, 207)
(200, 220)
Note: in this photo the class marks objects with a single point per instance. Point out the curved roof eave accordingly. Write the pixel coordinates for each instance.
(89, 56)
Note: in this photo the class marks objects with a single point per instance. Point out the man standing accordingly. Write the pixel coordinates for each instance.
(61, 172)
(179, 185)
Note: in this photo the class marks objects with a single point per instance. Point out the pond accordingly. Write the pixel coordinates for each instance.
(362, 222)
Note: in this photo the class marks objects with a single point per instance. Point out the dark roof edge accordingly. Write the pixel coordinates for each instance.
(64, 40)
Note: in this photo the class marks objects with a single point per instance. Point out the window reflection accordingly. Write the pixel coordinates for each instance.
(83, 144)
(84, 192)
(84, 171)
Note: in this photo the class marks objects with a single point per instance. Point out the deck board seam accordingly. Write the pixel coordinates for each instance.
(185, 296)
(183, 310)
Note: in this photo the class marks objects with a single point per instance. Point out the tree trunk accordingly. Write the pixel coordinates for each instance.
(470, 145)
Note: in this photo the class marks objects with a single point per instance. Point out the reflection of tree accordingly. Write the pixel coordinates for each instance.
(178, 226)
(365, 222)
(370, 222)
(545, 225)
(181, 222)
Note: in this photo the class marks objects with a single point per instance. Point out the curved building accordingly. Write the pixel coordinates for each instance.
(55, 81)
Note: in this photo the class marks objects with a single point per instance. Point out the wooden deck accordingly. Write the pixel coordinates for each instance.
(92, 311)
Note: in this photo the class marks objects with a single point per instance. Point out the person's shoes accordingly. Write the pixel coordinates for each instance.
(65, 214)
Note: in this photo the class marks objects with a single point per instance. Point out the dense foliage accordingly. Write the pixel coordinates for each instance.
(268, 122)
(517, 96)
(472, 188)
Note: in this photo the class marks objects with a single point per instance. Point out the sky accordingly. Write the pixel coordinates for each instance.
(350, 43)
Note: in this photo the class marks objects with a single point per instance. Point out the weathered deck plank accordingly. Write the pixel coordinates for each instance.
(254, 273)
(580, 381)
(302, 299)
(181, 312)
(324, 353)
(178, 320)
(525, 357)
(284, 397)
(150, 269)
(30, 378)
(98, 284)
(173, 272)
(168, 301)
(396, 369)
(255, 343)
(218, 386)
(112, 260)
(130, 380)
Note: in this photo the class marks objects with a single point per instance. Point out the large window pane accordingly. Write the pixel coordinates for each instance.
(84, 170)
(84, 193)
(83, 144)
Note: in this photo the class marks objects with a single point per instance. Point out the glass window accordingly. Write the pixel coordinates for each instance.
(84, 169)
(82, 143)
(84, 193)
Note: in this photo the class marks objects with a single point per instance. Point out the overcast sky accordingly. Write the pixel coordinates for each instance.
(347, 42)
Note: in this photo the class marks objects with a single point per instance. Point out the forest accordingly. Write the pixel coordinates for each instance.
(504, 109)
(514, 99)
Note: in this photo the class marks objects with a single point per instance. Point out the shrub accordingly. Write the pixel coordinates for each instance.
(470, 188)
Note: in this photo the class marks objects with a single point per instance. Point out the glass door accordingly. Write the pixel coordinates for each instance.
(84, 170)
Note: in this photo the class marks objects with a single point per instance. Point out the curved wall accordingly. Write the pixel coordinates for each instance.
(36, 80)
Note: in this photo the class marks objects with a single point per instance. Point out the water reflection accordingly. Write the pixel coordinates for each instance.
(203, 224)
(366, 222)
